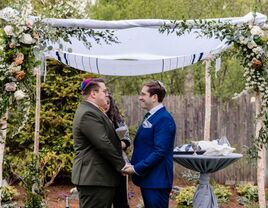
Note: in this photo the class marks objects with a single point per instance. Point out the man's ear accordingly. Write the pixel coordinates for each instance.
(155, 98)
(93, 94)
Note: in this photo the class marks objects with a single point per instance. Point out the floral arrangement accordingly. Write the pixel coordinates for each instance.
(18, 38)
(251, 46)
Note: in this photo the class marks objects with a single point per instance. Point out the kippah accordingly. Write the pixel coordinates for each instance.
(85, 83)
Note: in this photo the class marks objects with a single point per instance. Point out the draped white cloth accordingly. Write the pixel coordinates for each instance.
(141, 50)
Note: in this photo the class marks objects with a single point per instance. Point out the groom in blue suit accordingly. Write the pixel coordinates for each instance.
(152, 159)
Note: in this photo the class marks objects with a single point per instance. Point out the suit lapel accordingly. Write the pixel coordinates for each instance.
(150, 119)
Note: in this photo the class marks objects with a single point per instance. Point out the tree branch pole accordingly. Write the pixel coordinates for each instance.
(37, 122)
(3, 134)
(37, 112)
(261, 155)
(207, 100)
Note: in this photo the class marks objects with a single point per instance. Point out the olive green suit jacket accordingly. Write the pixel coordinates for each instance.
(98, 154)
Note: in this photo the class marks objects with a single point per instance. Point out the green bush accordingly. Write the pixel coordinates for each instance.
(247, 193)
(222, 193)
(60, 96)
(248, 190)
(185, 197)
(8, 193)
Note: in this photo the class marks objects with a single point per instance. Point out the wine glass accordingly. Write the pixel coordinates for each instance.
(194, 146)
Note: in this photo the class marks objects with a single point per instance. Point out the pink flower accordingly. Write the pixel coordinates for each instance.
(8, 30)
(10, 87)
(29, 23)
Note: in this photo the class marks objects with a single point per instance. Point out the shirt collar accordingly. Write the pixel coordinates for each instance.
(99, 107)
(156, 108)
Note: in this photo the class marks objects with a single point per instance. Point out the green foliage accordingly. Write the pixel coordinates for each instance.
(51, 164)
(248, 192)
(222, 193)
(171, 9)
(32, 184)
(62, 9)
(190, 176)
(17, 61)
(34, 200)
(8, 193)
(60, 96)
(185, 197)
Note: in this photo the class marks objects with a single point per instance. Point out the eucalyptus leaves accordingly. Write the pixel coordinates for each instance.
(18, 38)
(251, 44)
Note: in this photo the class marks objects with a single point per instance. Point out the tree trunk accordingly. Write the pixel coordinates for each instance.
(261, 156)
(189, 83)
(207, 101)
(3, 132)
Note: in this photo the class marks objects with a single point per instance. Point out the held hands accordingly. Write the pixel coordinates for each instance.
(127, 169)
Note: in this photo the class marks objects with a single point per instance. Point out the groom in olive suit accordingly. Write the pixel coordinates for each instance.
(98, 154)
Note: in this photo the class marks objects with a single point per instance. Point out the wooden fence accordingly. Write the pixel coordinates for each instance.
(234, 119)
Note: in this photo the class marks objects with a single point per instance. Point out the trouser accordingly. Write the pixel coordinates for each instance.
(121, 195)
(155, 198)
(95, 196)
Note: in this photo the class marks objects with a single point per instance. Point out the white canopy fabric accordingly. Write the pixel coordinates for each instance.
(141, 50)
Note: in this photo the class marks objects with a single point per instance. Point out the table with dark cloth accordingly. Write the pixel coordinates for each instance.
(204, 196)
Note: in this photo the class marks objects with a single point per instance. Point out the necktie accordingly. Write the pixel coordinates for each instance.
(146, 116)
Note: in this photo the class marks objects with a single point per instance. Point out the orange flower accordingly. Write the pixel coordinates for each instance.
(20, 75)
(256, 64)
(19, 59)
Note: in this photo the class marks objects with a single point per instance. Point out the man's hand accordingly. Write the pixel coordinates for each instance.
(128, 169)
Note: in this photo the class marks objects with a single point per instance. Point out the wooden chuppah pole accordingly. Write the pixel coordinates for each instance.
(37, 112)
(261, 155)
(37, 123)
(207, 100)
(3, 133)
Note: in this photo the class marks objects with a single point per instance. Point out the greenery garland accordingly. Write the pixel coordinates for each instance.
(251, 46)
(23, 40)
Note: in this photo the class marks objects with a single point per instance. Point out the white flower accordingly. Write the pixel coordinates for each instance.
(13, 68)
(27, 39)
(19, 95)
(256, 30)
(8, 13)
(9, 30)
(258, 50)
(241, 39)
(251, 44)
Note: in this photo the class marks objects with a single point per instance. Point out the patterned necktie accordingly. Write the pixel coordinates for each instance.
(146, 116)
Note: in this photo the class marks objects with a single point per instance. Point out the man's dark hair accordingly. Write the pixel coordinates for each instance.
(91, 84)
(156, 88)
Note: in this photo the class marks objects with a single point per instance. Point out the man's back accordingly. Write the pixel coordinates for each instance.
(97, 148)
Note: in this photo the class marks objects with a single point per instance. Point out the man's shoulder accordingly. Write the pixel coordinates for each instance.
(163, 114)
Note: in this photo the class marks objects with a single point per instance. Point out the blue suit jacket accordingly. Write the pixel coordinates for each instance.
(153, 151)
